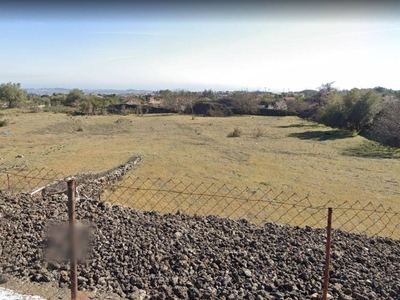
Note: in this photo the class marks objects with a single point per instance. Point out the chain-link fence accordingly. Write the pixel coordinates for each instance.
(170, 196)
(167, 198)
(256, 205)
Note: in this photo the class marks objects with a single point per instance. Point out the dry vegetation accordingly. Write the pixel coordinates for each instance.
(291, 155)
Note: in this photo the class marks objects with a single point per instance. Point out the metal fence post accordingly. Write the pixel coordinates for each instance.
(8, 182)
(72, 239)
(328, 253)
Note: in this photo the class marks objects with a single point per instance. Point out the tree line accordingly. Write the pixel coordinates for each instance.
(373, 112)
(12, 96)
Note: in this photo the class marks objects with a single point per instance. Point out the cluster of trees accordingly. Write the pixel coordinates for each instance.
(386, 126)
(12, 96)
(183, 101)
(354, 110)
(374, 112)
(88, 104)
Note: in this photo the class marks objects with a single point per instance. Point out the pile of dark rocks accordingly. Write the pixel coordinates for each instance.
(145, 255)
(88, 185)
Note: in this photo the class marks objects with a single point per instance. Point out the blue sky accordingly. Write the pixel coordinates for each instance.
(225, 47)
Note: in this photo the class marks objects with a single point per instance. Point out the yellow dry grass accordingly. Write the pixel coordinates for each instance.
(291, 155)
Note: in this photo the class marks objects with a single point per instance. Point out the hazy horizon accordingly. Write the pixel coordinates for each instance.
(222, 45)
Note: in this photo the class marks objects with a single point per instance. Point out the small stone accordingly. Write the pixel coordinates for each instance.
(247, 273)
(139, 294)
(3, 278)
(19, 156)
(358, 296)
(344, 297)
(347, 291)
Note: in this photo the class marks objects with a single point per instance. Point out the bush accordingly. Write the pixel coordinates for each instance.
(302, 108)
(258, 132)
(35, 109)
(386, 127)
(3, 123)
(235, 133)
(354, 111)
(79, 129)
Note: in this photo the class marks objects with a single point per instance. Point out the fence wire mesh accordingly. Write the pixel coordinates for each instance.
(258, 206)
(171, 196)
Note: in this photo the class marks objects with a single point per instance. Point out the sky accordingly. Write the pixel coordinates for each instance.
(219, 45)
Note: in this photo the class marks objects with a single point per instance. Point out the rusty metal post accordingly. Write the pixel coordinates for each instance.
(72, 238)
(8, 182)
(328, 253)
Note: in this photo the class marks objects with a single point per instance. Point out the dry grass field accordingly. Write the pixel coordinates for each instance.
(289, 154)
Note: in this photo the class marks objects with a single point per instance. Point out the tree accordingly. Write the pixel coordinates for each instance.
(355, 110)
(386, 126)
(361, 108)
(192, 98)
(74, 98)
(208, 94)
(12, 94)
(323, 93)
(333, 113)
(245, 102)
(57, 99)
(175, 101)
(87, 106)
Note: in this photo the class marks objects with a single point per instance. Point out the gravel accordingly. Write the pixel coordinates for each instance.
(143, 255)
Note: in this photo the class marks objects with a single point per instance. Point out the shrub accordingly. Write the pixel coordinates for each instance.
(80, 129)
(258, 132)
(235, 133)
(3, 123)
(303, 109)
(386, 127)
(355, 110)
(35, 109)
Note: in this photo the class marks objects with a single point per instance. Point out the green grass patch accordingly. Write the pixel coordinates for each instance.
(324, 135)
(371, 149)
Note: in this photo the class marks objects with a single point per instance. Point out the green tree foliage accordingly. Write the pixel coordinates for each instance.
(12, 94)
(333, 113)
(74, 98)
(323, 93)
(91, 105)
(208, 94)
(386, 126)
(58, 99)
(355, 110)
(361, 108)
(163, 93)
